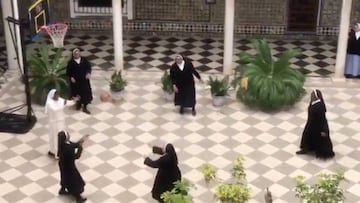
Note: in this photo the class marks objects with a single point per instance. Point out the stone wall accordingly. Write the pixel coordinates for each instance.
(1, 23)
(252, 17)
(355, 15)
(270, 12)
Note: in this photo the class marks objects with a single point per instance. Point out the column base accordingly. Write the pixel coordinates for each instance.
(338, 79)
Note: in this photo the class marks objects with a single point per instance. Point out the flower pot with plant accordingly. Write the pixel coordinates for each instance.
(236, 190)
(117, 85)
(167, 86)
(219, 90)
(326, 190)
(47, 71)
(179, 194)
(266, 83)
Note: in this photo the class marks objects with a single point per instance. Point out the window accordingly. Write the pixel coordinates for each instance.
(98, 8)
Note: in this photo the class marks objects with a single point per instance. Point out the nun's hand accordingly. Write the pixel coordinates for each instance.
(88, 76)
(77, 98)
(72, 80)
(65, 101)
(323, 134)
(176, 90)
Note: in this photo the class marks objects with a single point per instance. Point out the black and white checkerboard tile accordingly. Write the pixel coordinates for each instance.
(122, 133)
(157, 53)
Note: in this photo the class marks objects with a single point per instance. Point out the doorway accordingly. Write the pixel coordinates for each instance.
(303, 15)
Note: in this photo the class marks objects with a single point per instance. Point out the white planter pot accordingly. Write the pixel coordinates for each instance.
(117, 96)
(169, 96)
(218, 100)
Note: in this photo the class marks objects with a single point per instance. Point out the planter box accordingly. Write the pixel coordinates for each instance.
(218, 100)
(118, 96)
(168, 96)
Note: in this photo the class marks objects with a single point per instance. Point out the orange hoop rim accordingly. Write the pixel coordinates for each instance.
(57, 25)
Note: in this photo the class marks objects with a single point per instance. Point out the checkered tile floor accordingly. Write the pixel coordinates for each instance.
(154, 53)
(122, 133)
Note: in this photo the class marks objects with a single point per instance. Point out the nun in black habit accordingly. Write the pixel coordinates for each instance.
(316, 136)
(168, 170)
(182, 76)
(352, 65)
(79, 71)
(71, 181)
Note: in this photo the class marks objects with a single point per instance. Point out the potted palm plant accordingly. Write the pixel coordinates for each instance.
(167, 86)
(219, 90)
(117, 86)
(266, 83)
(236, 190)
(326, 190)
(47, 71)
(179, 194)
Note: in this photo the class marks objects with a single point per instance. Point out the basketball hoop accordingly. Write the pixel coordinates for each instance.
(57, 32)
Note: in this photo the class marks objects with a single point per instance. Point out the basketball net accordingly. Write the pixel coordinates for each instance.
(57, 33)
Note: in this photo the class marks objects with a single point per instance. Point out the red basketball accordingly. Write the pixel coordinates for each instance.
(105, 97)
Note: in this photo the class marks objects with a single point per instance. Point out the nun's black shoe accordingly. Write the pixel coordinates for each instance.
(181, 110)
(63, 191)
(85, 110)
(302, 152)
(80, 199)
(78, 106)
(51, 154)
(194, 112)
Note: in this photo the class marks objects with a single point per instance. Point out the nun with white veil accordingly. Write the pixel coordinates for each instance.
(54, 108)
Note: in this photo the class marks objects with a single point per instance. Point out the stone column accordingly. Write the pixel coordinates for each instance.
(228, 36)
(118, 35)
(10, 47)
(342, 39)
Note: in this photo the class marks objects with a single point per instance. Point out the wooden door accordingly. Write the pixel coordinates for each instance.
(302, 15)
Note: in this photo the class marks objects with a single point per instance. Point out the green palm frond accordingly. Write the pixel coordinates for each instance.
(166, 82)
(117, 83)
(272, 84)
(219, 87)
(47, 71)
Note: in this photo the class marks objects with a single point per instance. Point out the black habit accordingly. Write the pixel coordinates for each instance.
(184, 81)
(353, 44)
(168, 173)
(312, 140)
(82, 86)
(70, 177)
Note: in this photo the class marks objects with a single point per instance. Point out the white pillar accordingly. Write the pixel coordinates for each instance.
(118, 34)
(228, 36)
(343, 39)
(18, 36)
(10, 47)
(129, 8)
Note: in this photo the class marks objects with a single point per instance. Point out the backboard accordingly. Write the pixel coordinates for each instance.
(39, 15)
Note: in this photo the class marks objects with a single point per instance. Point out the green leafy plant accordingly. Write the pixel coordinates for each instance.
(219, 87)
(266, 83)
(209, 172)
(47, 71)
(179, 194)
(166, 82)
(235, 191)
(326, 190)
(117, 83)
